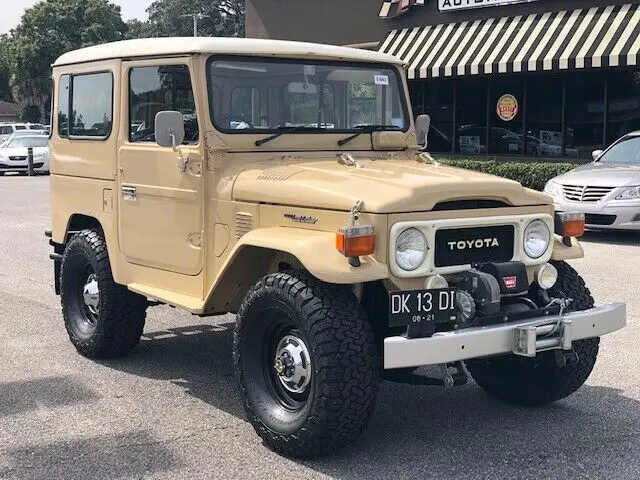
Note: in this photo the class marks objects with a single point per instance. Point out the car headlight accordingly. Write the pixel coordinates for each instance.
(536, 239)
(411, 249)
(553, 188)
(631, 193)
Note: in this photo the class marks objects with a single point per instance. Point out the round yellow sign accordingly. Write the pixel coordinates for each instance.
(507, 107)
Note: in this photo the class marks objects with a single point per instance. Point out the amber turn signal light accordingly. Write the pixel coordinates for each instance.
(356, 240)
(570, 224)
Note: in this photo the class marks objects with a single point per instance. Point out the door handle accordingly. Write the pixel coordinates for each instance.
(128, 193)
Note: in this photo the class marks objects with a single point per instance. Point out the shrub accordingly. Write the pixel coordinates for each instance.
(530, 174)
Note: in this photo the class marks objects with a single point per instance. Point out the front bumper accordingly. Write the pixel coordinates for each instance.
(22, 166)
(526, 337)
(612, 214)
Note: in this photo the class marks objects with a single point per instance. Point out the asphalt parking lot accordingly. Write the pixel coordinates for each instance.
(170, 410)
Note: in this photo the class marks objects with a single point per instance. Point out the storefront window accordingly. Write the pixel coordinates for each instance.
(471, 116)
(624, 104)
(435, 99)
(584, 113)
(506, 99)
(544, 116)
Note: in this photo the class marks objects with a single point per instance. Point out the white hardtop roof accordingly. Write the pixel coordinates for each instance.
(223, 45)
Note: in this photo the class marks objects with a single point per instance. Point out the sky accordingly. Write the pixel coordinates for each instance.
(12, 11)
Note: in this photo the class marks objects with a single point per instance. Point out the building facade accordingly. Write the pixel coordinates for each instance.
(534, 78)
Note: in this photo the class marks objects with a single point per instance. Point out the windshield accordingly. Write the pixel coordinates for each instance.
(251, 95)
(25, 142)
(625, 151)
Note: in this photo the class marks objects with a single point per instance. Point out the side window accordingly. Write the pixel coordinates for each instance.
(6, 131)
(92, 105)
(245, 107)
(154, 89)
(85, 105)
(63, 106)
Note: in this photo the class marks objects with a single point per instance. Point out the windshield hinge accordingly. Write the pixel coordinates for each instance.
(347, 159)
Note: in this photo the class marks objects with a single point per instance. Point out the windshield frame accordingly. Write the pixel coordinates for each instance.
(320, 131)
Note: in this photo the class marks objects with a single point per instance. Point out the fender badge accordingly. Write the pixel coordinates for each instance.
(301, 218)
(510, 282)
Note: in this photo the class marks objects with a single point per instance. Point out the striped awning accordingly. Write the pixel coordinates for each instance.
(584, 38)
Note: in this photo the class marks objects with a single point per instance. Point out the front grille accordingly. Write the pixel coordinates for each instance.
(596, 219)
(582, 193)
(468, 205)
(465, 246)
(21, 167)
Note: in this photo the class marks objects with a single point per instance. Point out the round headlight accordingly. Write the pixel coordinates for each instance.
(411, 249)
(536, 239)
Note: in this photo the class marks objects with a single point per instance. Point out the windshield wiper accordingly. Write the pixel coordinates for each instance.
(367, 129)
(283, 130)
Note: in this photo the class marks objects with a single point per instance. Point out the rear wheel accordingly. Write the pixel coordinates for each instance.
(542, 380)
(305, 357)
(103, 319)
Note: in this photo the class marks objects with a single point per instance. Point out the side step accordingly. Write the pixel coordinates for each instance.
(191, 304)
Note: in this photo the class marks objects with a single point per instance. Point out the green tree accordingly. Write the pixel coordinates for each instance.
(138, 29)
(221, 18)
(46, 31)
(5, 89)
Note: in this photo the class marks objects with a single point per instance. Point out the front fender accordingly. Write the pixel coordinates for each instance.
(317, 252)
(253, 257)
(563, 252)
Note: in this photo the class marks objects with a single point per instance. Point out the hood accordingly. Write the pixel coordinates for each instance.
(602, 174)
(385, 186)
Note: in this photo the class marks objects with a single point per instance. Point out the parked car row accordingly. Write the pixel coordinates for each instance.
(15, 141)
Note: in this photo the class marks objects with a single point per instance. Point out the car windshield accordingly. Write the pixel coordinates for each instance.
(25, 142)
(252, 95)
(626, 150)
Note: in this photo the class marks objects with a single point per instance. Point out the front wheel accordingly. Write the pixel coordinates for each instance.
(305, 356)
(540, 380)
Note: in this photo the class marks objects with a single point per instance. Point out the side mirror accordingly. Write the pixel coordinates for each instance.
(169, 128)
(423, 122)
(596, 154)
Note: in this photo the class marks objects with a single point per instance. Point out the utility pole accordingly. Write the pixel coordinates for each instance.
(196, 17)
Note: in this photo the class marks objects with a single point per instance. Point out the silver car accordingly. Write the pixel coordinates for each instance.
(607, 190)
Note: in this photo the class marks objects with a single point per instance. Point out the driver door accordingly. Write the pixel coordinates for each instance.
(160, 215)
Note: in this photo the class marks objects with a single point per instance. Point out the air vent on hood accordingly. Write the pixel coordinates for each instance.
(468, 205)
(279, 174)
(244, 224)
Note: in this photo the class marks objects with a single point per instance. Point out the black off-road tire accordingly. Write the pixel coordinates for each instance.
(344, 380)
(118, 324)
(539, 381)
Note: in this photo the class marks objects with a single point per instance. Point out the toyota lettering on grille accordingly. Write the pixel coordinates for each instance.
(473, 244)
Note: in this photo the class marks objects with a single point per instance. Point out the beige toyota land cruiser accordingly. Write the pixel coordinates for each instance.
(285, 183)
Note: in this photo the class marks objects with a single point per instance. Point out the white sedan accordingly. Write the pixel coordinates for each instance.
(13, 155)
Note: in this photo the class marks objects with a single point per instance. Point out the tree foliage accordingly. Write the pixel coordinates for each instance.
(220, 18)
(49, 29)
(5, 89)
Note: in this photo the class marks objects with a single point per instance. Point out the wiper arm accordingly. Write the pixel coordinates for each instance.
(282, 130)
(367, 129)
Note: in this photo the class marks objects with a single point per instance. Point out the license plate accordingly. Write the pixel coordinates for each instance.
(418, 306)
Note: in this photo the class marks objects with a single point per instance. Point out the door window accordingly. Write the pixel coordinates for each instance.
(156, 89)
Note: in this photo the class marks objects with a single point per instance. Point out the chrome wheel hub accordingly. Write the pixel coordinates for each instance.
(293, 364)
(91, 294)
